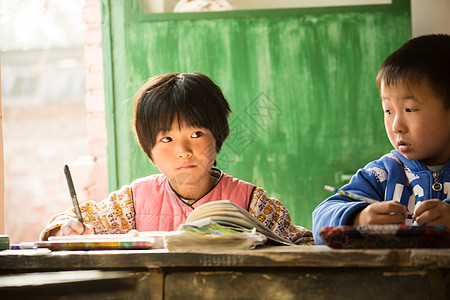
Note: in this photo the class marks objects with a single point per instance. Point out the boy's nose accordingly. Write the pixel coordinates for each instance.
(398, 124)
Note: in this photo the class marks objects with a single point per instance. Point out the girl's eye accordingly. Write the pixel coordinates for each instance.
(166, 139)
(387, 112)
(411, 110)
(197, 134)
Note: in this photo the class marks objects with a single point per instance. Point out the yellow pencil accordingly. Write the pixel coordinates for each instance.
(353, 196)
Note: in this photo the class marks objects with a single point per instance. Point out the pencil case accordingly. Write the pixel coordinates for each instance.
(386, 236)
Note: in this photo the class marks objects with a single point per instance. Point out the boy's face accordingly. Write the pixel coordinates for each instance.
(416, 121)
(185, 155)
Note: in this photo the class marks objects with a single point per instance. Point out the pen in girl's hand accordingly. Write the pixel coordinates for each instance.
(73, 195)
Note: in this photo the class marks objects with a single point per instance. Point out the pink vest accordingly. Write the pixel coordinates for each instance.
(158, 207)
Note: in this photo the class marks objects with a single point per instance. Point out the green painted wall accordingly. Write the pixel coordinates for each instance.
(301, 84)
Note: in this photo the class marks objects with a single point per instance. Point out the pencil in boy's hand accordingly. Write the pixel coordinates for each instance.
(349, 195)
(352, 196)
(73, 195)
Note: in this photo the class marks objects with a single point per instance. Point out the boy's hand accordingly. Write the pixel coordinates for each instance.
(387, 212)
(73, 226)
(433, 212)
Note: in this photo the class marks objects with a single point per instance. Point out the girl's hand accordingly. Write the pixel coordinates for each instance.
(133, 232)
(433, 212)
(73, 226)
(387, 212)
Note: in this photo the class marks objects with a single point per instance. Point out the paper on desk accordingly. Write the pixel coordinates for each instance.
(103, 242)
(207, 235)
(201, 234)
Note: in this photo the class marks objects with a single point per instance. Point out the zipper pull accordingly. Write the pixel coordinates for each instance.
(437, 186)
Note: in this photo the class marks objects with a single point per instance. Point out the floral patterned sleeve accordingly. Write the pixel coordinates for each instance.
(113, 215)
(275, 216)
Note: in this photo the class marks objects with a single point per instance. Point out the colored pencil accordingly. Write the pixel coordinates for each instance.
(349, 195)
(352, 195)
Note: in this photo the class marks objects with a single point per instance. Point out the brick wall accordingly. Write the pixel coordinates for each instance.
(96, 183)
(41, 135)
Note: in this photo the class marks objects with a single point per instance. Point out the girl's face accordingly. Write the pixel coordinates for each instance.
(417, 123)
(185, 155)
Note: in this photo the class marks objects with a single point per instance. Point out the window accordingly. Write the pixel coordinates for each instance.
(161, 6)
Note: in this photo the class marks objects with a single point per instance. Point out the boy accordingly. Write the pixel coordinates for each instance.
(414, 84)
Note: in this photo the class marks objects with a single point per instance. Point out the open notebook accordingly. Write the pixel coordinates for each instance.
(226, 213)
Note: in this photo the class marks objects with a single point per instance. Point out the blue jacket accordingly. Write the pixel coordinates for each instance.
(392, 177)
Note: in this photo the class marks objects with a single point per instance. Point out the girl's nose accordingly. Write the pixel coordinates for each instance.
(184, 149)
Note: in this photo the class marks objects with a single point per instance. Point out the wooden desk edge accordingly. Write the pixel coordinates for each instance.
(281, 256)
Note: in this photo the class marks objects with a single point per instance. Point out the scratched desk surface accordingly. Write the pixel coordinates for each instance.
(277, 256)
(283, 272)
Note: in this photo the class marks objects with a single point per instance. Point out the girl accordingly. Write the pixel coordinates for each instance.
(181, 122)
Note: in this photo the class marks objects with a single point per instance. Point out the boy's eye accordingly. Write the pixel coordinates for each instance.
(411, 110)
(166, 139)
(197, 134)
(387, 112)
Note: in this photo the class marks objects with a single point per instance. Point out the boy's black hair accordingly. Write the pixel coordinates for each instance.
(425, 57)
(192, 98)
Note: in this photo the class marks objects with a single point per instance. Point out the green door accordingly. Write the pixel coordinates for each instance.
(301, 84)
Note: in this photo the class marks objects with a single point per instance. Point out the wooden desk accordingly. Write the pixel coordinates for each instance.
(309, 272)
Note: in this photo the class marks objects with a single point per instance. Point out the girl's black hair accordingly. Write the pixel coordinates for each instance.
(190, 98)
